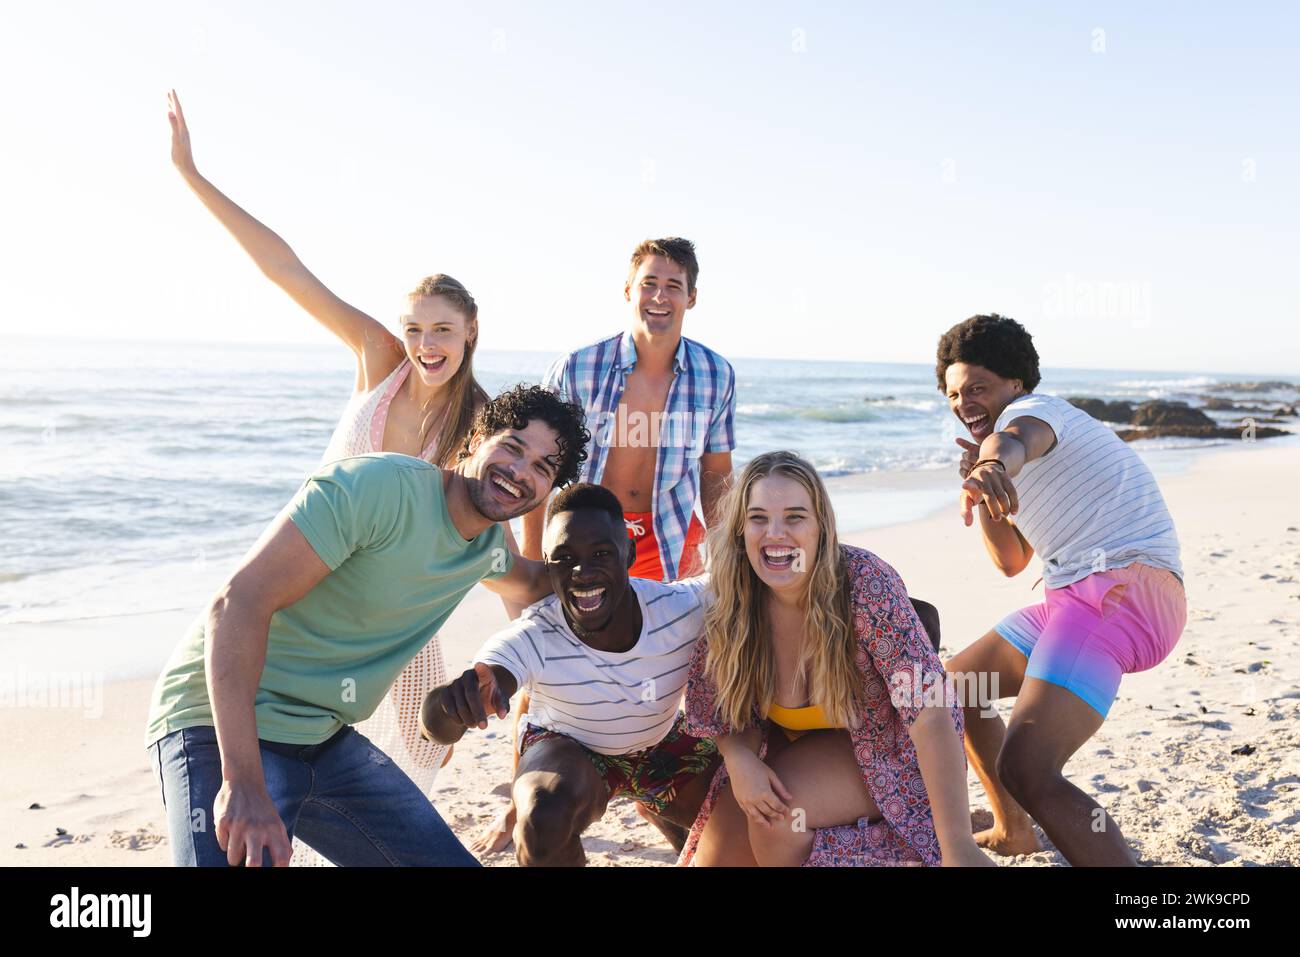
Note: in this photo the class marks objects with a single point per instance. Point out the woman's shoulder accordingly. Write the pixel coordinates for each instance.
(863, 563)
(873, 582)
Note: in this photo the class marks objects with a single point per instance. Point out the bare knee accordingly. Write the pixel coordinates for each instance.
(546, 826)
(785, 843)
(724, 842)
(1023, 771)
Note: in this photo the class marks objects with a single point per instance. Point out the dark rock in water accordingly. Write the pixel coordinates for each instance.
(1104, 411)
(1162, 412)
(1215, 404)
(1267, 386)
(878, 398)
(1197, 432)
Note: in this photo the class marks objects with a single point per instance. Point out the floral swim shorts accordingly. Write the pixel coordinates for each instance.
(652, 776)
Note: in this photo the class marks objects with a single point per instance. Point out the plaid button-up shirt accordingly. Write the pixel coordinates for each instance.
(697, 419)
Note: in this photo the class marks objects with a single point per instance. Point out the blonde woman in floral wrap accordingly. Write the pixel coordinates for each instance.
(808, 679)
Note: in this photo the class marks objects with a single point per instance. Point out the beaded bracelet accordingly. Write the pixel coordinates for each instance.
(998, 462)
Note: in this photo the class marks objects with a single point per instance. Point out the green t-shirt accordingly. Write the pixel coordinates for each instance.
(398, 568)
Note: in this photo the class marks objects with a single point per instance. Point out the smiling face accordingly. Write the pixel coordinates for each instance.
(657, 292)
(587, 555)
(781, 533)
(512, 472)
(435, 333)
(978, 396)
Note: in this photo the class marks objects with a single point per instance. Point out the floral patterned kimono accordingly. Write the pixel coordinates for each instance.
(893, 651)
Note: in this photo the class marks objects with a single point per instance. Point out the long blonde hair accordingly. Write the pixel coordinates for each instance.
(464, 395)
(741, 662)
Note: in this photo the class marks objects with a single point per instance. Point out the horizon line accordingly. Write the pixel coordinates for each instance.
(1293, 376)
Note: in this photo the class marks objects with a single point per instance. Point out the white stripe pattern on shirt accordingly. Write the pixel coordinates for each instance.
(1090, 503)
(612, 703)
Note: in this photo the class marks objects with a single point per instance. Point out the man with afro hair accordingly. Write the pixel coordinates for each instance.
(1046, 477)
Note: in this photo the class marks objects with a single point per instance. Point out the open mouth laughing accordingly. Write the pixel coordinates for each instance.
(588, 600)
(506, 489)
(779, 558)
(432, 363)
(977, 424)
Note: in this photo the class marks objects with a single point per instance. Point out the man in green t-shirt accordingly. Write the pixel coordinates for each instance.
(250, 724)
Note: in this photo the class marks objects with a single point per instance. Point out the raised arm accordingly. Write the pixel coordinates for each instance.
(377, 350)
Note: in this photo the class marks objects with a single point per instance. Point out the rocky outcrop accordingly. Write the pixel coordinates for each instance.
(1160, 418)
(1104, 411)
(1215, 404)
(1272, 385)
(1159, 412)
(1198, 432)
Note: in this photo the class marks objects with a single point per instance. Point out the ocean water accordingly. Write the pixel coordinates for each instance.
(134, 475)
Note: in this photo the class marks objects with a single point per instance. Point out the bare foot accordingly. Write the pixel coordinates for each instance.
(497, 836)
(1008, 843)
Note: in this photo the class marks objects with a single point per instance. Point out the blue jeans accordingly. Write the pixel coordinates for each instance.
(345, 798)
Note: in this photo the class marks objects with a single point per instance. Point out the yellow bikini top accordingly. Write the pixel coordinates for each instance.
(810, 718)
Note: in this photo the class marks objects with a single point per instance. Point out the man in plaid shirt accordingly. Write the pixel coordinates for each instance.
(660, 409)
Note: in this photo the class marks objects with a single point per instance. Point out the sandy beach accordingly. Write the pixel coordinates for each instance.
(1199, 762)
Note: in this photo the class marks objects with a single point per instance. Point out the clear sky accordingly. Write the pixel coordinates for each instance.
(856, 177)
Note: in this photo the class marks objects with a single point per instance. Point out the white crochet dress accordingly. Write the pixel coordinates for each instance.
(395, 727)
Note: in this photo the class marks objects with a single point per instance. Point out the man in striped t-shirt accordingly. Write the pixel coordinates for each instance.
(660, 408)
(1046, 477)
(605, 659)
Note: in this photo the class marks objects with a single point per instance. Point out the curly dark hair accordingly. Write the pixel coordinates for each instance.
(995, 342)
(515, 408)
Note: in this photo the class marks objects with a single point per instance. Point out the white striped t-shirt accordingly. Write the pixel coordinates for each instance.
(1091, 503)
(611, 703)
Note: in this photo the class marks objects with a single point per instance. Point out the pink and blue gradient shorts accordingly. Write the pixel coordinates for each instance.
(1086, 636)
